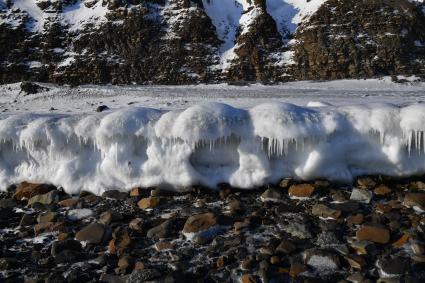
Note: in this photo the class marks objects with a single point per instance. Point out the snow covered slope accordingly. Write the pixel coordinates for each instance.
(288, 14)
(181, 42)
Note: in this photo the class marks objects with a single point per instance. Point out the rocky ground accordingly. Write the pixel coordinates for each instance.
(301, 232)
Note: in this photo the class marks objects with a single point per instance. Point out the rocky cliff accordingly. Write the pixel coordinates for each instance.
(192, 41)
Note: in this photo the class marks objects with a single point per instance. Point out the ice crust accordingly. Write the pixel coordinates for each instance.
(209, 144)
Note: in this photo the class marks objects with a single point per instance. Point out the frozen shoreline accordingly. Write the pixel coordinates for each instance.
(211, 143)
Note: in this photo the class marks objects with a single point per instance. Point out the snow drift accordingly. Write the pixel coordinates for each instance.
(210, 144)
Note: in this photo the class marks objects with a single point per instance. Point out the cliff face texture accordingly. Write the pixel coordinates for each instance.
(192, 41)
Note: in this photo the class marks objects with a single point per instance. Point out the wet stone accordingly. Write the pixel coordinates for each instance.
(48, 198)
(29, 190)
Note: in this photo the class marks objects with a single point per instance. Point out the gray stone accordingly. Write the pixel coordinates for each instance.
(163, 230)
(361, 195)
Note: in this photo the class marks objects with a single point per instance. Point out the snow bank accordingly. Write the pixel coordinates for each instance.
(210, 144)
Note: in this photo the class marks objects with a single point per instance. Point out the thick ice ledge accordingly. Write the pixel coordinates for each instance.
(210, 144)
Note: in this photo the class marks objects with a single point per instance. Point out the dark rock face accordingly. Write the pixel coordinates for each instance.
(176, 42)
(358, 39)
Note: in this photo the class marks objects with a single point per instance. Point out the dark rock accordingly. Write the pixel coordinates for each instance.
(102, 108)
(29, 190)
(164, 230)
(391, 267)
(115, 194)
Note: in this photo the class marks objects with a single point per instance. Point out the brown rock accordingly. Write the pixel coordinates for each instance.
(47, 217)
(150, 202)
(247, 278)
(238, 225)
(136, 224)
(70, 202)
(374, 234)
(163, 245)
(92, 233)
(120, 241)
(403, 240)
(274, 260)
(366, 182)
(139, 265)
(199, 222)
(383, 208)
(301, 190)
(135, 192)
(355, 219)
(285, 183)
(221, 262)
(356, 261)
(363, 247)
(28, 190)
(415, 200)
(124, 264)
(322, 210)
(63, 236)
(49, 227)
(286, 247)
(382, 190)
(296, 269)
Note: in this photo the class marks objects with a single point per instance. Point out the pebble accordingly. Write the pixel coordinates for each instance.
(199, 222)
(415, 200)
(259, 233)
(323, 211)
(366, 183)
(149, 202)
(374, 234)
(361, 195)
(301, 190)
(271, 195)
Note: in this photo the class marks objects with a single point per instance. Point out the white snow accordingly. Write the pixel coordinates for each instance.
(37, 15)
(74, 16)
(288, 14)
(79, 213)
(77, 15)
(226, 16)
(233, 18)
(345, 131)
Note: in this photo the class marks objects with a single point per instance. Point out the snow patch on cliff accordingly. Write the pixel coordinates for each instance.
(288, 14)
